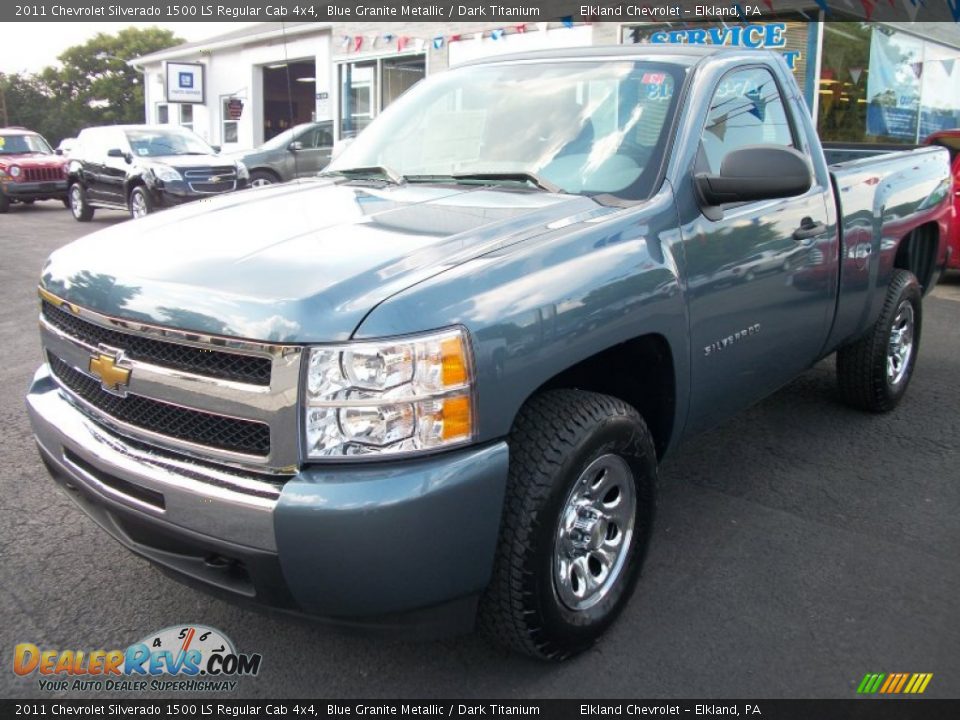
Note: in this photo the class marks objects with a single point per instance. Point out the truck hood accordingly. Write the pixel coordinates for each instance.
(299, 262)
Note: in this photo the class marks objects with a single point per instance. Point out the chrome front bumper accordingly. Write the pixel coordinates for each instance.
(203, 498)
(404, 543)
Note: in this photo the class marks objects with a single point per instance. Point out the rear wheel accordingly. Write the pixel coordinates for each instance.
(576, 523)
(874, 372)
(140, 203)
(78, 203)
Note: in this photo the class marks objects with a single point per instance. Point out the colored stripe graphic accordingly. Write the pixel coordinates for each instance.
(894, 683)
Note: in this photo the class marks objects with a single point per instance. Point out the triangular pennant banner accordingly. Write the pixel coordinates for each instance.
(948, 65)
(912, 7)
(855, 73)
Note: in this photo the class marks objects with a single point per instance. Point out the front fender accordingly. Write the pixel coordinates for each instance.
(534, 309)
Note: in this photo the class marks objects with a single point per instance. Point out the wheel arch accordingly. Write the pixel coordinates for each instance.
(917, 252)
(267, 170)
(640, 371)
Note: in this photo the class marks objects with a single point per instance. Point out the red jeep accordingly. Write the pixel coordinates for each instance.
(29, 169)
(950, 139)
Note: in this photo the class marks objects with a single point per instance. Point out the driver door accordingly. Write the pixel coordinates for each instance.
(761, 278)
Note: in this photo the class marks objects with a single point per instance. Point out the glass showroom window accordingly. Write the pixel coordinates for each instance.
(879, 85)
(186, 116)
(229, 131)
(368, 86)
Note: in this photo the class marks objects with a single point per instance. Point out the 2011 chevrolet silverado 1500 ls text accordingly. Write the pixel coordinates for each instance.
(433, 385)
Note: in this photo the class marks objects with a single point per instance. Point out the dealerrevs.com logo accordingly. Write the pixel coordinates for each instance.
(181, 658)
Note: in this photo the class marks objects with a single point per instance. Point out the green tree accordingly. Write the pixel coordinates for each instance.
(93, 86)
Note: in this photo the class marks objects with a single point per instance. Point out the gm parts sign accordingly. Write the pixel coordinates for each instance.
(184, 82)
(756, 35)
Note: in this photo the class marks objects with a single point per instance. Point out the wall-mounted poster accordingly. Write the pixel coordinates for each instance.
(184, 82)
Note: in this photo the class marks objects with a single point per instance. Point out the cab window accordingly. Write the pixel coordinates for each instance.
(746, 109)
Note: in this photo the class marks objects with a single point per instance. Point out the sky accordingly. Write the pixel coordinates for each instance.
(31, 46)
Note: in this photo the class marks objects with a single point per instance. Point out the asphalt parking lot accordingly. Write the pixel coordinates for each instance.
(797, 548)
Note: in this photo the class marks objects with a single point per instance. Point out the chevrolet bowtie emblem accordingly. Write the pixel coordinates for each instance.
(113, 378)
(215, 179)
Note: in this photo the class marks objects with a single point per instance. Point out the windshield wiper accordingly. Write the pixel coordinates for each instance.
(517, 176)
(373, 172)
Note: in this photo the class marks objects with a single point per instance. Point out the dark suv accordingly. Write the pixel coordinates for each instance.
(142, 168)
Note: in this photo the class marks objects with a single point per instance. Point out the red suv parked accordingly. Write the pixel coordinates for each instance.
(29, 169)
(950, 139)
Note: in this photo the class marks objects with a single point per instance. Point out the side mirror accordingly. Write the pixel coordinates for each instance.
(295, 146)
(114, 152)
(216, 148)
(754, 172)
(58, 151)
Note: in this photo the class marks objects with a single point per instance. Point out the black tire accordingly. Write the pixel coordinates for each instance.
(4, 203)
(557, 436)
(260, 178)
(862, 367)
(139, 203)
(77, 197)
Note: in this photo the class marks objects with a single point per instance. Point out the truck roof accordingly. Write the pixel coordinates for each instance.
(678, 54)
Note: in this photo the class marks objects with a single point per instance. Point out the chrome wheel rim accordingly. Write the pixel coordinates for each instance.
(138, 205)
(76, 202)
(261, 182)
(900, 346)
(594, 534)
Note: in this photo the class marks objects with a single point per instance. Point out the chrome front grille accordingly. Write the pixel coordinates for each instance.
(181, 423)
(202, 361)
(214, 398)
(212, 180)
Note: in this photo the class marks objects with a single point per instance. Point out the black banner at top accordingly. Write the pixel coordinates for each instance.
(507, 11)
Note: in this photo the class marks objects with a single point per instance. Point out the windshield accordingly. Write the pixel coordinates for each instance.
(22, 144)
(284, 138)
(584, 127)
(156, 142)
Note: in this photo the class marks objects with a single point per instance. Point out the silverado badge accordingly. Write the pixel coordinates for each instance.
(113, 378)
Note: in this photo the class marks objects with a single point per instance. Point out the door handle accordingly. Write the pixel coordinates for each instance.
(809, 229)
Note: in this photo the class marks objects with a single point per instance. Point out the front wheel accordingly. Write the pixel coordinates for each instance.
(874, 372)
(78, 203)
(262, 178)
(576, 523)
(140, 203)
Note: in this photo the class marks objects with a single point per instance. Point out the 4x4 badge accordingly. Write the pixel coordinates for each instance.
(113, 378)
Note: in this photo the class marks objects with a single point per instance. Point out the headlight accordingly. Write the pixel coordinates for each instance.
(242, 172)
(389, 397)
(166, 174)
(14, 171)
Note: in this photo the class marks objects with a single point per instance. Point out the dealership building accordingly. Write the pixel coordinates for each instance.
(889, 82)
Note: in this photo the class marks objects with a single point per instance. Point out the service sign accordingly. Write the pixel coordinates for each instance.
(184, 82)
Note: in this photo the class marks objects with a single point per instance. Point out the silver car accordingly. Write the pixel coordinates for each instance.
(301, 151)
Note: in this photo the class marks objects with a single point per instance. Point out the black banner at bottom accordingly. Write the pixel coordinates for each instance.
(865, 708)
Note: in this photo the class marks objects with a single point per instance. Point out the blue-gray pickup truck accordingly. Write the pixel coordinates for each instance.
(432, 386)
